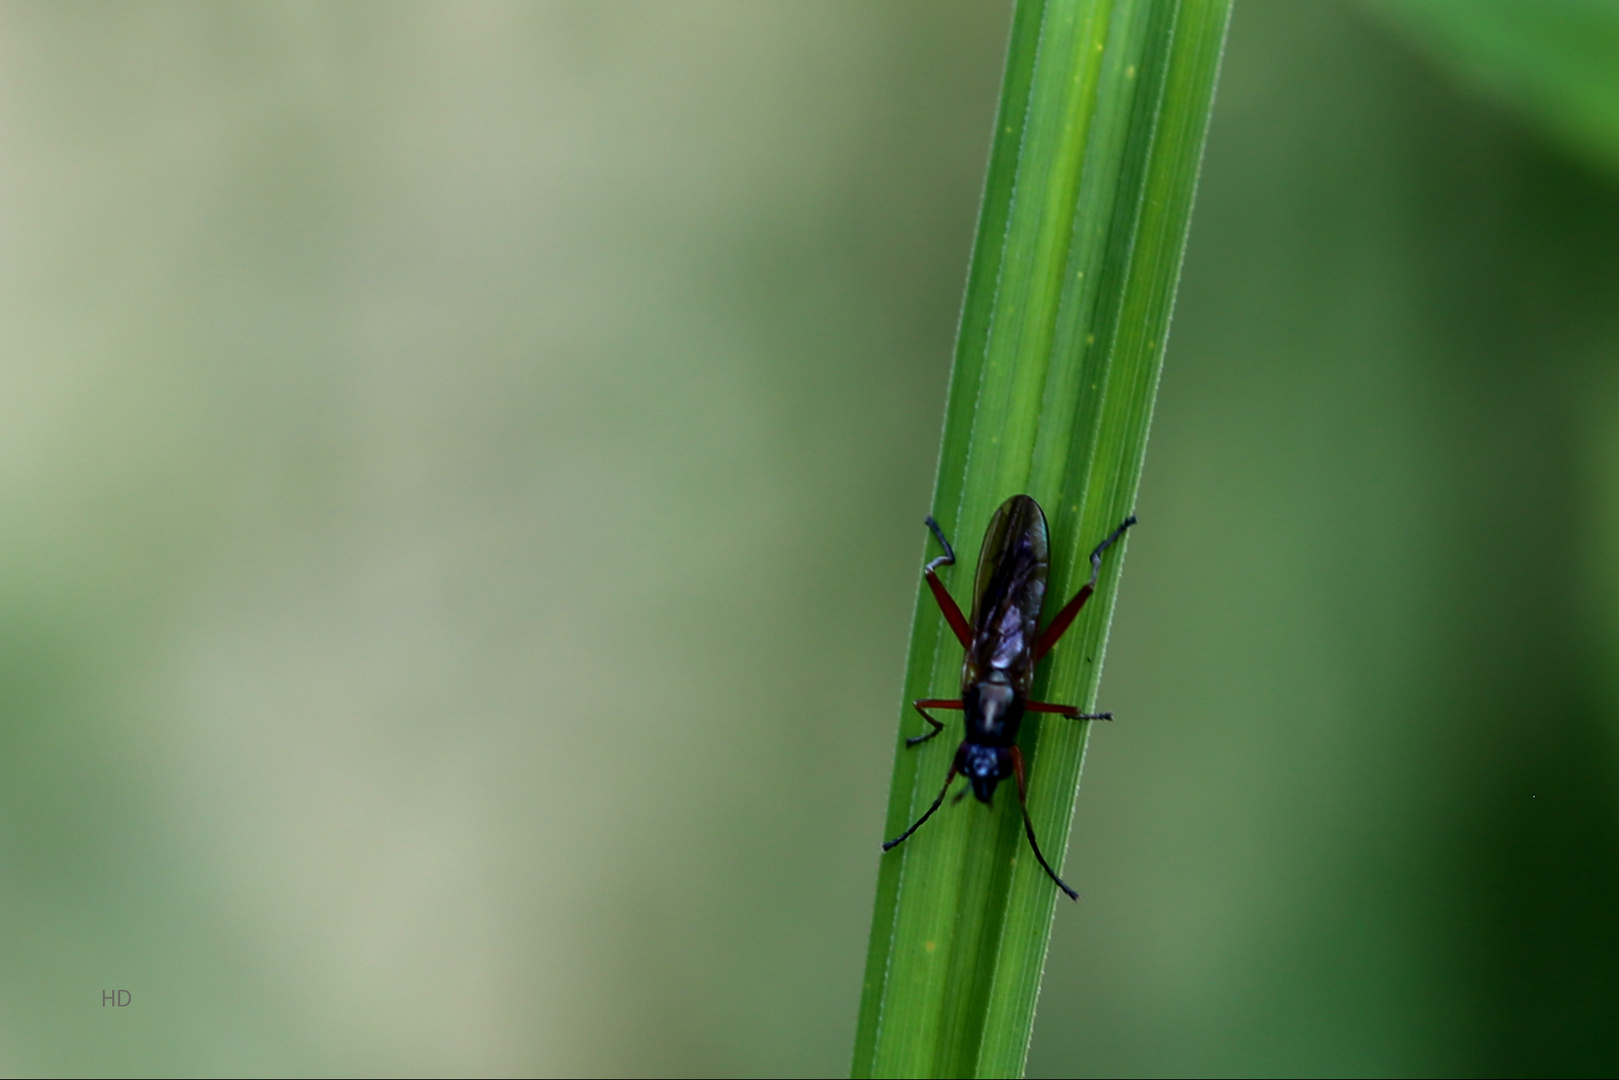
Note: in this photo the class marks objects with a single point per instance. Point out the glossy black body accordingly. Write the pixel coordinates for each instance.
(998, 668)
(1002, 644)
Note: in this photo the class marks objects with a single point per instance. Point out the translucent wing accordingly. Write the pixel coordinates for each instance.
(1008, 591)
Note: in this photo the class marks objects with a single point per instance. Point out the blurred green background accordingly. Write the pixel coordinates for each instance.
(461, 473)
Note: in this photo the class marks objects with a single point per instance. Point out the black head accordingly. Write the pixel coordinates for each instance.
(984, 767)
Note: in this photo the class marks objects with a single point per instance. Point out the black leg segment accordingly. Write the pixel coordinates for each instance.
(922, 707)
(947, 603)
(1066, 616)
(1028, 827)
(949, 556)
(889, 845)
(1070, 711)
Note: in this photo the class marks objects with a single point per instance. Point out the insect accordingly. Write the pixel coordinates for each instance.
(1002, 650)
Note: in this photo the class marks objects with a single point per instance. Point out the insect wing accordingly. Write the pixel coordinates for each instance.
(1009, 588)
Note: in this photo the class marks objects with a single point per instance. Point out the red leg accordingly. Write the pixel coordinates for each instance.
(947, 603)
(889, 845)
(1069, 711)
(1065, 617)
(922, 707)
(1023, 801)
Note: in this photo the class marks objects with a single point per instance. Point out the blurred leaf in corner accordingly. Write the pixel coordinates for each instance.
(1556, 61)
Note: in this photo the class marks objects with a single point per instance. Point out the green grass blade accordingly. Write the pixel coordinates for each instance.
(1093, 167)
(1551, 59)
